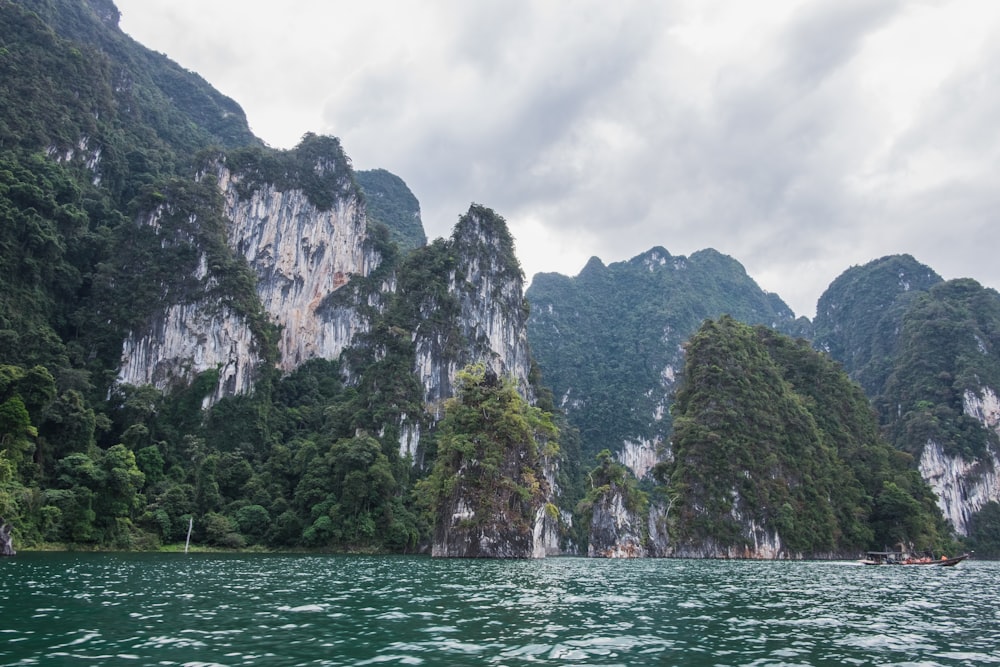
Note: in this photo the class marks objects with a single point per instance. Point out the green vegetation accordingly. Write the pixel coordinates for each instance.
(925, 351)
(317, 166)
(859, 315)
(610, 339)
(108, 212)
(490, 447)
(949, 346)
(984, 531)
(770, 433)
(608, 478)
(392, 204)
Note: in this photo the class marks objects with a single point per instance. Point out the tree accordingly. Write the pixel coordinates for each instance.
(490, 448)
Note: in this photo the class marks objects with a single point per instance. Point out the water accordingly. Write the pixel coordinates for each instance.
(209, 609)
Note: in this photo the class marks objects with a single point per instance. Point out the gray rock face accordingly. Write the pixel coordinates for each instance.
(6, 539)
(964, 487)
(492, 320)
(615, 530)
(300, 254)
(190, 339)
(464, 537)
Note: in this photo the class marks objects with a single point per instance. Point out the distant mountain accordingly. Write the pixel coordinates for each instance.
(858, 317)
(610, 342)
(391, 203)
(927, 352)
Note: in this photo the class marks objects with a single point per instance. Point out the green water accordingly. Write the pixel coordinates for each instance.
(207, 609)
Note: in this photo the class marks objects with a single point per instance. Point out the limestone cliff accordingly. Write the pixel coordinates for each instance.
(963, 486)
(188, 340)
(301, 254)
(485, 292)
(488, 487)
(615, 530)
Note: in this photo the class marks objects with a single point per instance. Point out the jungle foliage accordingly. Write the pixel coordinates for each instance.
(391, 203)
(490, 448)
(610, 339)
(770, 433)
(927, 352)
(103, 226)
(107, 205)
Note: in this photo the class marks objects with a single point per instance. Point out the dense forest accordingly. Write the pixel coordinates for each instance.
(770, 431)
(98, 133)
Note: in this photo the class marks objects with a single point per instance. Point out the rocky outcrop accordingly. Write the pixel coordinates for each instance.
(551, 524)
(491, 321)
(549, 529)
(498, 521)
(489, 485)
(615, 530)
(658, 542)
(964, 486)
(188, 340)
(465, 534)
(6, 539)
(639, 457)
(301, 256)
(618, 532)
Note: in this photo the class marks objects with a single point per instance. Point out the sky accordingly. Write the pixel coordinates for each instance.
(799, 137)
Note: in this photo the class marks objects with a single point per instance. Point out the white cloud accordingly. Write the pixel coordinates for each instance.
(800, 137)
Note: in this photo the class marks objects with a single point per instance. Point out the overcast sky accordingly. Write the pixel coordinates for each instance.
(801, 138)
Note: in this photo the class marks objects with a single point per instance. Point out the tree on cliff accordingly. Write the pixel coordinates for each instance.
(486, 485)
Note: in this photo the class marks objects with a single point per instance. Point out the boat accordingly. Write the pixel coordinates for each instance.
(902, 558)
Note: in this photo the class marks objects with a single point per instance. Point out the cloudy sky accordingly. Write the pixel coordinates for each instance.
(799, 137)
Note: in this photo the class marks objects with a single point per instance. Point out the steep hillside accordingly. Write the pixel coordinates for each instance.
(199, 327)
(776, 453)
(858, 317)
(390, 202)
(925, 351)
(610, 341)
(940, 401)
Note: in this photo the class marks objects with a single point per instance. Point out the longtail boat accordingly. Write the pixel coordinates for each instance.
(902, 558)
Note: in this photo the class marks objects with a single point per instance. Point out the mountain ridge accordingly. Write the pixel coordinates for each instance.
(265, 342)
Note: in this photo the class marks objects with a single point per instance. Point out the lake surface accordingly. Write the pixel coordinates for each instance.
(255, 609)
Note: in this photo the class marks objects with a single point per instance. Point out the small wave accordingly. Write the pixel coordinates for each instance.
(304, 608)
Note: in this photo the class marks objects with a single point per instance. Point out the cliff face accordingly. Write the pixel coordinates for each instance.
(188, 340)
(964, 486)
(615, 530)
(488, 485)
(484, 290)
(300, 254)
(925, 351)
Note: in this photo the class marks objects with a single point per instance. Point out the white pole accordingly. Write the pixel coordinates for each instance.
(190, 526)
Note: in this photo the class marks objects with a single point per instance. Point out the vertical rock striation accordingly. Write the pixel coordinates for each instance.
(491, 318)
(615, 530)
(964, 486)
(188, 340)
(301, 255)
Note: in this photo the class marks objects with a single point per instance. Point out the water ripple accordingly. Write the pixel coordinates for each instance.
(171, 609)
